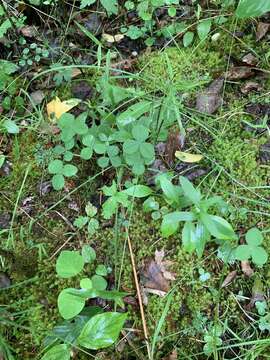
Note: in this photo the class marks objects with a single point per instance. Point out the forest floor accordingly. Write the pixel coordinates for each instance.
(196, 307)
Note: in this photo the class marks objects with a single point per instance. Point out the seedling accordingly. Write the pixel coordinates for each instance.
(60, 171)
(253, 249)
(82, 221)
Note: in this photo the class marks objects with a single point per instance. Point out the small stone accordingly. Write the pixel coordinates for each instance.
(44, 187)
(5, 169)
(250, 59)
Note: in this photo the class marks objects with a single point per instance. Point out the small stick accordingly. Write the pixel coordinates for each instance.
(145, 331)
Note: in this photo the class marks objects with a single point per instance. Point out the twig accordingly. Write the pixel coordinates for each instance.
(145, 331)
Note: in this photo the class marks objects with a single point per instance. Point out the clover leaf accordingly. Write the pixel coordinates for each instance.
(71, 126)
(253, 248)
(138, 152)
(60, 171)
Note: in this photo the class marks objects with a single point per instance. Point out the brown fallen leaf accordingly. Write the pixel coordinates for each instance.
(155, 277)
(250, 86)
(229, 278)
(250, 59)
(210, 100)
(239, 73)
(246, 268)
(262, 30)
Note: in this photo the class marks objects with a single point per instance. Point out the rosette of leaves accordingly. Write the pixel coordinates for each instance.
(199, 224)
(137, 151)
(60, 171)
(252, 249)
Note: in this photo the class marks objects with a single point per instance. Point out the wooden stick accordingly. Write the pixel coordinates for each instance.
(145, 331)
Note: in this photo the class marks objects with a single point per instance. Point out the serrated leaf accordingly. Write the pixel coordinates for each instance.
(111, 6)
(102, 330)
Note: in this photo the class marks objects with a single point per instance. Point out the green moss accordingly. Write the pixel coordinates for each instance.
(190, 68)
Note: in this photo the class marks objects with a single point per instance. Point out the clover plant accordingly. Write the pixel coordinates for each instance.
(59, 170)
(89, 220)
(252, 249)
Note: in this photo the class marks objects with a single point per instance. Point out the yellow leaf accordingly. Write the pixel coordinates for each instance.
(187, 157)
(113, 38)
(56, 107)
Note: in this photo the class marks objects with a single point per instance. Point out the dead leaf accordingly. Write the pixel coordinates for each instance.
(229, 279)
(75, 72)
(155, 276)
(246, 268)
(262, 30)
(187, 157)
(29, 31)
(56, 107)
(250, 59)
(174, 142)
(210, 100)
(250, 86)
(112, 38)
(239, 73)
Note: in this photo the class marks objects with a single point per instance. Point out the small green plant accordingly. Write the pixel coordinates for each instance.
(252, 249)
(199, 224)
(92, 224)
(32, 53)
(212, 339)
(59, 170)
(84, 326)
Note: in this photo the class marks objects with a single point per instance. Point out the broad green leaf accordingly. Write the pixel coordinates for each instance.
(259, 255)
(252, 8)
(57, 352)
(88, 254)
(92, 227)
(140, 133)
(138, 191)
(55, 167)
(99, 283)
(171, 192)
(111, 6)
(188, 38)
(218, 227)
(70, 303)
(254, 237)
(133, 113)
(102, 330)
(86, 153)
(189, 190)
(150, 204)
(58, 181)
(188, 237)
(110, 190)
(242, 252)
(80, 222)
(103, 161)
(131, 146)
(203, 28)
(69, 263)
(8, 67)
(170, 222)
(147, 150)
(69, 170)
(86, 283)
(11, 127)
